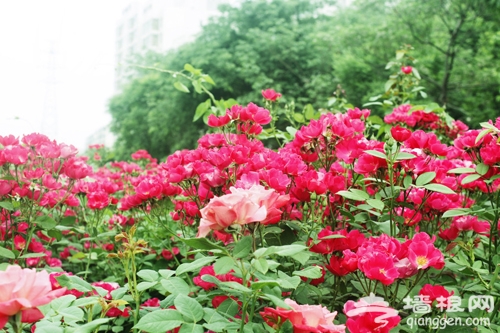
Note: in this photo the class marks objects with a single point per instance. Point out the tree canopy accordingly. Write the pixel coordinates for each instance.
(305, 49)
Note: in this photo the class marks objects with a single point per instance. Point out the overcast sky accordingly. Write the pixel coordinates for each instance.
(77, 88)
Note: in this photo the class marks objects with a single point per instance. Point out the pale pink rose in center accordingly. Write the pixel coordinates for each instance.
(241, 206)
(23, 290)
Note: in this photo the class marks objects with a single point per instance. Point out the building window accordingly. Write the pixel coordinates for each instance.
(131, 23)
(131, 37)
(154, 40)
(145, 27)
(155, 24)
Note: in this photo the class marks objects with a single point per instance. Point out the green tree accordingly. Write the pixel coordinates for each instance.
(247, 49)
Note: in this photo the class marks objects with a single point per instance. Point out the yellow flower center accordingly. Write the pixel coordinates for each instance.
(422, 261)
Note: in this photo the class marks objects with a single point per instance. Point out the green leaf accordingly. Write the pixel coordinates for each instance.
(176, 286)
(482, 169)
(407, 182)
(74, 282)
(46, 222)
(6, 253)
(213, 320)
(192, 266)
(208, 79)
(385, 227)
(68, 221)
(299, 117)
(288, 282)
(243, 247)
(375, 203)
(7, 205)
(264, 283)
(190, 309)
(181, 87)
(191, 328)
(302, 257)
(404, 156)
(285, 250)
(260, 265)
(197, 86)
(148, 275)
(201, 109)
(277, 301)
(191, 69)
(376, 153)
(350, 195)
(291, 130)
(456, 212)
(483, 133)
(389, 84)
(416, 73)
(311, 272)
(57, 234)
(146, 285)
(439, 188)
(229, 307)
(470, 178)
(81, 302)
(289, 250)
(462, 170)
(223, 265)
(202, 244)
(309, 112)
(33, 255)
(166, 273)
(88, 328)
(71, 314)
(425, 178)
(45, 326)
(160, 321)
(62, 302)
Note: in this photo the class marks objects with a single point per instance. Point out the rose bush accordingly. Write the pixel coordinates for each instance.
(234, 236)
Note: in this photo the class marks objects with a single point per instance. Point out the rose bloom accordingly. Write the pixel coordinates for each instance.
(270, 95)
(240, 207)
(400, 134)
(23, 290)
(304, 318)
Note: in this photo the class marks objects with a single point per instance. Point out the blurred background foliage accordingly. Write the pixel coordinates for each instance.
(304, 49)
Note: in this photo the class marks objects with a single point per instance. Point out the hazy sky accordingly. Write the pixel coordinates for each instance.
(80, 83)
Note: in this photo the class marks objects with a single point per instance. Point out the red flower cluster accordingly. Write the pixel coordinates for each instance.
(248, 119)
(381, 258)
(420, 119)
(209, 270)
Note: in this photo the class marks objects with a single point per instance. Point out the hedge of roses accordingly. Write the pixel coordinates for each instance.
(338, 230)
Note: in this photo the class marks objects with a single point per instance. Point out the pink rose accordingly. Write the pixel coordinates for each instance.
(241, 206)
(304, 318)
(270, 95)
(23, 290)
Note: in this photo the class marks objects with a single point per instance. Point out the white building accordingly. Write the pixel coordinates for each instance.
(158, 25)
